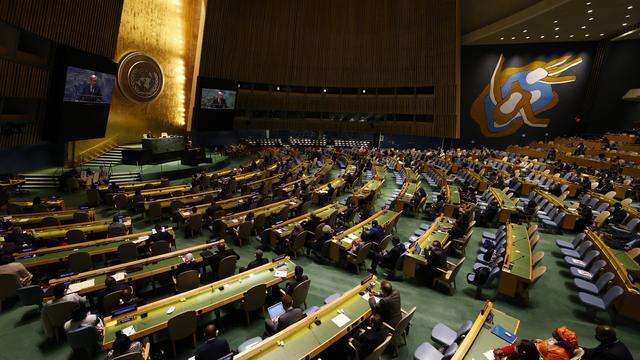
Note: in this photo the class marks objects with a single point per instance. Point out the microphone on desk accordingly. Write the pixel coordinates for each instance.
(514, 260)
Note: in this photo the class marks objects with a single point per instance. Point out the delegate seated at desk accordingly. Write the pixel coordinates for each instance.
(290, 316)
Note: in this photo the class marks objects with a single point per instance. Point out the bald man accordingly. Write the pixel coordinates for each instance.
(388, 306)
(610, 347)
(213, 348)
(91, 90)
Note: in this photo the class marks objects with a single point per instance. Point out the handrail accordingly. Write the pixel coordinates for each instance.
(80, 156)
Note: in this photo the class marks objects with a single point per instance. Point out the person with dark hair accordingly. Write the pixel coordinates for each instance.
(560, 346)
(368, 339)
(374, 234)
(436, 257)
(81, 317)
(159, 235)
(116, 226)
(122, 345)
(610, 348)
(19, 238)
(519, 350)
(388, 258)
(8, 265)
(222, 252)
(312, 223)
(388, 306)
(618, 214)
(59, 296)
(290, 316)
(298, 278)
(214, 347)
(259, 261)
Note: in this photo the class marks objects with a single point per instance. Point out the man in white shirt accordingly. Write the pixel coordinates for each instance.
(8, 265)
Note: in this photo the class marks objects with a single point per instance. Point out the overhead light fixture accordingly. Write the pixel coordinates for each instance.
(528, 37)
(586, 35)
(628, 16)
(277, 88)
(324, 90)
(556, 29)
(555, 21)
(524, 31)
(630, 7)
(591, 19)
(589, 3)
(571, 35)
(513, 38)
(364, 91)
(625, 24)
(502, 38)
(601, 34)
(557, 36)
(589, 11)
(583, 27)
(541, 36)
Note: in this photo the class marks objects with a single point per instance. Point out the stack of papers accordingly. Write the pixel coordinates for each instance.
(120, 276)
(280, 273)
(353, 236)
(347, 240)
(341, 320)
(81, 285)
(366, 297)
(129, 330)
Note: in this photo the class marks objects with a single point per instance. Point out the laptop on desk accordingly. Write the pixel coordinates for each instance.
(275, 311)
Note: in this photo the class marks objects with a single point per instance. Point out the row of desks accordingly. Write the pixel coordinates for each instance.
(226, 205)
(54, 203)
(439, 231)
(507, 206)
(189, 199)
(516, 269)
(134, 185)
(633, 212)
(284, 229)
(337, 183)
(372, 186)
(231, 221)
(409, 189)
(571, 215)
(91, 228)
(35, 219)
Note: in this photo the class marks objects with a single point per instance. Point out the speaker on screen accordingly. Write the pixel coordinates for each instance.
(215, 104)
(79, 95)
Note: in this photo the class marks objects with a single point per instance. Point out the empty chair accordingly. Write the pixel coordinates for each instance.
(83, 340)
(111, 302)
(536, 275)
(254, 300)
(127, 252)
(298, 243)
(594, 287)
(75, 236)
(400, 330)
(536, 258)
(226, 267)
(160, 247)
(244, 233)
(81, 216)
(116, 231)
(358, 261)
(80, 262)
(30, 295)
(626, 230)
(587, 275)
(50, 221)
(54, 316)
(556, 222)
(571, 245)
(331, 298)
(194, 226)
(634, 253)
(444, 335)
(9, 284)
(182, 326)
(154, 212)
(583, 263)
(187, 280)
(426, 351)
(579, 252)
(600, 219)
(121, 202)
(40, 208)
(601, 303)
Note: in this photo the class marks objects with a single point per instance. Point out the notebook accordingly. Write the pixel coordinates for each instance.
(504, 334)
(275, 311)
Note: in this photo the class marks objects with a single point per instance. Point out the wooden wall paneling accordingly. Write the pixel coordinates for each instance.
(22, 80)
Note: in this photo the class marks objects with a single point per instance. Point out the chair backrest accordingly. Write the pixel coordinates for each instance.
(634, 253)
(258, 221)
(50, 221)
(30, 295)
(532, 229)
(604, 280)
(626, 202)
(602, 207)
(597, 266)
(160, 247)
(182, 325)
(450, 351)
(402, 325)
(121, 202)
(187, 280)
(612, 295)
(111, 301)
(244, 230)
(590, 256)
(537, 274)
(363, 253)
(463, 330)
(610, 194)
(578, 239)
(81, 216)
(154, 212)
(537, 257)
(79, 262)
(59, 313)
(377, 352)
(299, 241)
(456, 268)
(582, 249)
(332, 218)
(116, 231)
(9, 284)
(633, 224)
(255, 297)
(83, 338)
(40, 208)
(75, 236)
(300, 293)
(127, 252)
(227, 267)
(195, 223)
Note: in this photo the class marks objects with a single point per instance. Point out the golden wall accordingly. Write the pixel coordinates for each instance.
(164, 29)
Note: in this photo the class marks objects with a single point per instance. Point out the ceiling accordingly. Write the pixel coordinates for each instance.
(493, 22)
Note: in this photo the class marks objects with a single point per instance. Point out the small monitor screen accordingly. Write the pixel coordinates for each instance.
(218, 99)
(88, 86)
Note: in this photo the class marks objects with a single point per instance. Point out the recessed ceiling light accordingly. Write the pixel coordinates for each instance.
(528, 37)
(590, 19)
(557, 36)
(630, 7)
(541, 36)
(628, 16)
(590, 11)
(364, 91)
(324, 90)
(586, 35)
(625, 24)
(513, 38)
(278, 88)
(601, 34)
(556, 29)
(501, 38)
(583, 27)
(555, 21)
(589, 3)
(571, 35)
(524, 31)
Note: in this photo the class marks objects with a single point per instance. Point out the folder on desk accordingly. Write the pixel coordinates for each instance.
(504, 334)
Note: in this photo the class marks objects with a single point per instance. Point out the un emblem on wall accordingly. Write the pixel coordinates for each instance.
(140, 77)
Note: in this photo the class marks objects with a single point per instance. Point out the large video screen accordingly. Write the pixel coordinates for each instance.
(218, 99)
(88, 86)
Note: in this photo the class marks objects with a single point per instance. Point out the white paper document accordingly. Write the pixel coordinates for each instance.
(280, 273)
(120, 276)
(366, 297)
(81, 285)
(489, 355)
(129, 330)
(341, 320)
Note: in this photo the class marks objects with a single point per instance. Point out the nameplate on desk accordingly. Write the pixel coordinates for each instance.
(280, 273)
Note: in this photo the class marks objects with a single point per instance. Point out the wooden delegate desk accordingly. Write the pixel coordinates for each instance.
(620, 263)
(288, 187)
(134, 185)
(571, 215)
(92, 281)
(507, 206)
(54, 204)
(188, 199)
(453, 200)
(155, 193)
(410, 175)
(313, 334)
(256, 185)
(633, 171)
(59, 254)
(526, 186)
(379, 172)
(483, 183)
(409, 189)
(516, 271)
(285, 228)
(226, 205)
(633, 212)
(234, 220)
(370, 187)
(439, 231)
(35, 219)
(89, 228)
(342, 242)
(480, 338)
(572, 187)
(153, 317)
(12, 184)
(336, 183)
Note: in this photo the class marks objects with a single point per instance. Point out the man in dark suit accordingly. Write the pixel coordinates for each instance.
(188, 264)
(91, 91)
(213, 348)
(436, 258)
(388, 306)
(370, 338)
(259, 261)
(298, 278)
(19, 238)
(159, 235)
(389, 258)
(312, 223)
(223, 252)
(374, 234)
(610, 348)
(117, 227)
(290, 316)
(219, 102)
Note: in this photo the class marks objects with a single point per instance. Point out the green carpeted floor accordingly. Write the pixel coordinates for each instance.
(553, 300)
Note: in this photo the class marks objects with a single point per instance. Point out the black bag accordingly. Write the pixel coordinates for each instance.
(481, 275)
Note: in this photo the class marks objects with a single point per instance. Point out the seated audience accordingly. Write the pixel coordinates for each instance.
(388, 306)
(298, 278)
(368, 339)
(519, 350)
(289, 317)
(560, 346)
(8, 265)
(188, 263)
(81, 317)
(59, 291)
(213, 347)
(610, 347)
(259, 261)
(388, 258)
(122, 345)
(436, 257)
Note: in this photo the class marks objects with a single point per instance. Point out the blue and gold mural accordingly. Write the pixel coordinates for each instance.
(518, 96)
